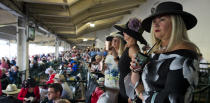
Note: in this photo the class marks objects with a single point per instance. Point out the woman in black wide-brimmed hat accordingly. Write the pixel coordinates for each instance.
(132, 32)
(171, 75)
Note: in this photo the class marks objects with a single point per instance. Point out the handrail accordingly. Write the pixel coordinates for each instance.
(202, 89)
(205, 63)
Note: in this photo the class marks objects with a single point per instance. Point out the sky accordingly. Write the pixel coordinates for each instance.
(10, 49)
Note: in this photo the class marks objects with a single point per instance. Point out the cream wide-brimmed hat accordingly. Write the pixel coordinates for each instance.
(60, 77)
(11, 89)
(117, 34)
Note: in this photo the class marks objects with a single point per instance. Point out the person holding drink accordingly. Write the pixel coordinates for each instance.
(171, 74)
(111, 70)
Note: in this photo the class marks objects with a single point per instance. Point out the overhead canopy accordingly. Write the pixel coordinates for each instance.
(70, 19)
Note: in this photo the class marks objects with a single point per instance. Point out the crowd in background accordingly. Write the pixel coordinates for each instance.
(122, 72)
(65, 67)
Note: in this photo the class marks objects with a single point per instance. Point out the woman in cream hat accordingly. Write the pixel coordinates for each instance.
(111, 72)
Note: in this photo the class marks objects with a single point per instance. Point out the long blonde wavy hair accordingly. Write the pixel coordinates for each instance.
(121, 46)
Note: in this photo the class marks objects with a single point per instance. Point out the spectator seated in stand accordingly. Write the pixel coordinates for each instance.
(52, 74)
(74, 68)
(54, 93)
(14, 75)
(95, 63)
(29, 92)
(65, 65)
(13, 62)
(66, 93)
(4, 64)
(4, 79)
(11, 94)
(95, 67)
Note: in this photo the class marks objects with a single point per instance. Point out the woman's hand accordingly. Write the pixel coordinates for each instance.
(129, 100)
(139, 90)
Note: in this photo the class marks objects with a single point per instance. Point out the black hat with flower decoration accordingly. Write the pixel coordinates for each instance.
(133, 28)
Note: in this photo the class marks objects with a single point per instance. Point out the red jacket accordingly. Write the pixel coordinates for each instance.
(23, 92)
(96, 94)
(50, 81)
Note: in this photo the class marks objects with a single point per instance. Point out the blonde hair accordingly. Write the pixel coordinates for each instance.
(178, 34)
(98, 57)
(121, 46)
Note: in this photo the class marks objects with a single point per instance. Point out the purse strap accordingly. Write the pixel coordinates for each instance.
(152, 47)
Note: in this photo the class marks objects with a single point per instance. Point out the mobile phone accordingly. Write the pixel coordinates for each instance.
(142, 59)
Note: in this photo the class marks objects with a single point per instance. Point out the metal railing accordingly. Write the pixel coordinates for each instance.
(202, 92)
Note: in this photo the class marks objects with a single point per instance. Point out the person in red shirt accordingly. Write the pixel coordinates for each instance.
(52, 74)
(29, 92)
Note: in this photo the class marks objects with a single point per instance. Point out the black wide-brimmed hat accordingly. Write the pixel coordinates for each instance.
(114, 34)
(133, 28)
(170, 8)
(109, 38)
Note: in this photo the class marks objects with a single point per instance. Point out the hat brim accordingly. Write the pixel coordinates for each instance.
(189, 19)
(116, 34)
(109, 38)
(13, 92)
(135, 35)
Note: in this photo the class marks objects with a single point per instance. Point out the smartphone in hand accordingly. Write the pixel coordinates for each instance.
(139, 62)
(142, 59)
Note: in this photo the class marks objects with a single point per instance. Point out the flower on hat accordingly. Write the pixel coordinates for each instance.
(134, 24)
